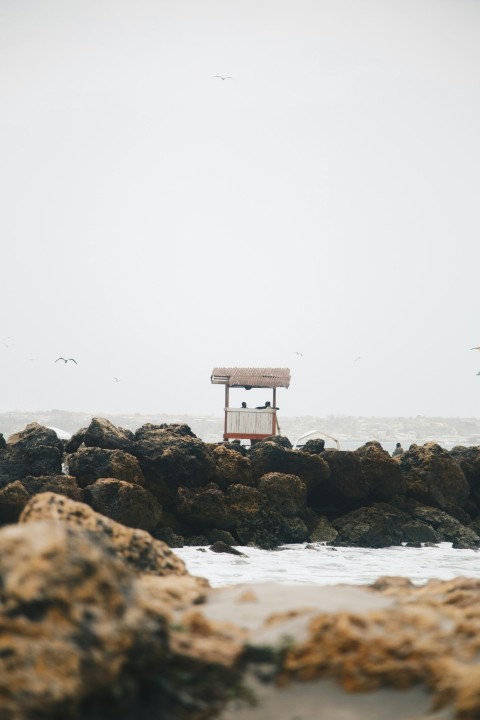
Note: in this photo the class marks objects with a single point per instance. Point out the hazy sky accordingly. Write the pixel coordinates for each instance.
(157, 222)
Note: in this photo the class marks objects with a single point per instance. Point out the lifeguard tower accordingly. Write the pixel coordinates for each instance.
(248, 423)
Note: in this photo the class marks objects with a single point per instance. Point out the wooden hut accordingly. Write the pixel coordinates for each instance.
(249, 423)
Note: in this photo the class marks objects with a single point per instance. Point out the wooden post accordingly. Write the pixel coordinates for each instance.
(226, 411)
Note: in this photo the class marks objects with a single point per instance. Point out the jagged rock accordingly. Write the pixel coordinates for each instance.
(447, 528)
(36, 450)
(376, 526)
(254, 522)
(101, 433)
(232, 468)
(346, 487)
(434, 477)
(169, 536)
(237, 446)
(286, 494)
(222, 547)
(170, 458)
(3, 443)
(90, 464)
(280, 440)
(268, 456)
(75, 441)
(382, 474)
(61, 484)
(195, 540)
(203, 507)
(135, 547)
(128, 504)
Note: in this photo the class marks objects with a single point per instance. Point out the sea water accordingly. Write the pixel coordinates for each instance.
(319, 564)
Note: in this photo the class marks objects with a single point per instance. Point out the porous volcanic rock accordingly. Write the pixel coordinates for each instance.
(434, 477)
(232, 468)
(90, 464)
(102, 433)
(286, 494)
(75, 441)
(323, 531)
(315, 446)
(61, 484)
(36, 450)
(204, 507)
(270, 456)
(346, 487)
(135, 547)
(172, 457)
(82, 637)
(447, 528)
(382, 474)
(376, 526)
(128, 504)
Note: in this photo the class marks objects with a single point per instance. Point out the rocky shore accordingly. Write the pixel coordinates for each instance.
(99, 618)
(164, 480)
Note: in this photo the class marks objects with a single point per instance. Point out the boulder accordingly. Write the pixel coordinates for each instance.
(255, 523)
(136, 548)
(75, 441)
(382, 474)
(101, 433)
(434, 478)
(447, 528)
(232, 468)
(204, 507)
(417, 531)
(128, 504)
(346, 486)
(286, 494)
(222, 547)
(13, 498)
(376, 526)
(36, 450)
(90, 464)
(3, 443)
(61, 484)
(469, 460)
(323, 531)
(272, 456)
(315, 446)
(172, 457)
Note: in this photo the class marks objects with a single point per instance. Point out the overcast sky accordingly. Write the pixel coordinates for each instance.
(157, 222)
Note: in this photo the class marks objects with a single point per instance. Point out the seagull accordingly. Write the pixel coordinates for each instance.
(66, 360)
(298, 353)
(359, 357)
(116, 379)
(222, 77)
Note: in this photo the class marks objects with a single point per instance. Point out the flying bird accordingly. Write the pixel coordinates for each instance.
(223, 77)
(66, 360)
(298, 353)
(116, 379)
(359, 357)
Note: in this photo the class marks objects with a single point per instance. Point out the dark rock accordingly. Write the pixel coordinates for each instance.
(195, 540)
(101, 433)
(221, 547)
(13, 498)
(89, 464)
(382, 474)
(376, 526)
(232, 468)
(237, 446)
(204, 507)
(171, 458)
(447, 528)
(125, 503)
(346, 486)
(36, 450)
(469, 460)
(167, 535)
(315, 446)
(254, 522)
(223, 535)
(75, 441)
(286, 494)
(3, 443)
(180, 429)
(417, 531)
(268, 456)
(280, 440)
(323, 531)
(61, 484)
(434, 477)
